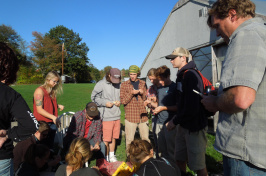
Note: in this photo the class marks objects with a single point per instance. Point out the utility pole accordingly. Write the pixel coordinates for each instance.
(63, 59)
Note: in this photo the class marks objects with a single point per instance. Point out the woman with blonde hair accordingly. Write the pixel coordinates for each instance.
(141, 153)
(79, 153)
(45, 107)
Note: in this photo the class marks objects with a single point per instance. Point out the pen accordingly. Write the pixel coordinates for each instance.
(197, 92)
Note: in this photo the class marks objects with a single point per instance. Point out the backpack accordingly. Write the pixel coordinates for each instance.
(206, 83)
(207, 87)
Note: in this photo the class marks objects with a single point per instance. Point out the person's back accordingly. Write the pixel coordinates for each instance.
(141, 153)
(61, 171)
(157, 167)
(12, 107)
(35, 158)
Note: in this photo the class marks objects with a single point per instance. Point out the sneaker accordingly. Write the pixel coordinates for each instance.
(112, 159)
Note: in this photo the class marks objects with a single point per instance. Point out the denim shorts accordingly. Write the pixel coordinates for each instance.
(235, 167)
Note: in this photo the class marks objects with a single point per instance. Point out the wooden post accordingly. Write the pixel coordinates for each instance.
(62, 59)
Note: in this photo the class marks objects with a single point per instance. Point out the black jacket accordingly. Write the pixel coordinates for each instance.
(13, 106)
(190, 111)
(157, 167)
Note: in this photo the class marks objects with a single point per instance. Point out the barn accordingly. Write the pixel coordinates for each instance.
(186, 27)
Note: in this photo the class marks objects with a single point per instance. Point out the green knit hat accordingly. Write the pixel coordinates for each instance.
(134, 69)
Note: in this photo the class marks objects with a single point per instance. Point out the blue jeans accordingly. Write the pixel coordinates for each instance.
(100, 153)
(6, 167)
(235, 167)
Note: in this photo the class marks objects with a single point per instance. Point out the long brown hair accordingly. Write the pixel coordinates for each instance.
(79, 152)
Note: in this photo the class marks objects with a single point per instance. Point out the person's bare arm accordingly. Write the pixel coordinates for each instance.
(233, 100)
(38, 98)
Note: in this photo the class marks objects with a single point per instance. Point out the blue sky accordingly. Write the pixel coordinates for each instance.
(119, 33)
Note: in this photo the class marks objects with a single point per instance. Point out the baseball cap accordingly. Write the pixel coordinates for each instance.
(134, 69)
(178, 52)
(92, 109)
(116, 75)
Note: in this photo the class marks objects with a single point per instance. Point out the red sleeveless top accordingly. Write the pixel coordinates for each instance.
(49, 105)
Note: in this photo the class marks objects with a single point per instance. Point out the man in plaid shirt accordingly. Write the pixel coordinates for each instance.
(87, 124)
(132, 96)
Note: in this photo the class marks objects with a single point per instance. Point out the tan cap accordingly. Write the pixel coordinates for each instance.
(178, 52)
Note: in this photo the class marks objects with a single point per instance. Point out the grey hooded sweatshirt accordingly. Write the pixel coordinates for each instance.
(104, 92)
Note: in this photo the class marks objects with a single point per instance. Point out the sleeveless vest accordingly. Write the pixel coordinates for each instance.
(49, 105)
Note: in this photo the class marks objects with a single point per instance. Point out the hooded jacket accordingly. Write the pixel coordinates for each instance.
(190, 111)
(104, 92)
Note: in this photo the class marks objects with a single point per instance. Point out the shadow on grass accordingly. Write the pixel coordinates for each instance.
(213, 166)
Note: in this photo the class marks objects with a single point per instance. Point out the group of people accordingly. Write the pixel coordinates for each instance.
(179, 118)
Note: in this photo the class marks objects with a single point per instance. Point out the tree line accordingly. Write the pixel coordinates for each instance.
(49, 51)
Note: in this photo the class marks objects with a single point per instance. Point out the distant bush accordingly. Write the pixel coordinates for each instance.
(29, 75)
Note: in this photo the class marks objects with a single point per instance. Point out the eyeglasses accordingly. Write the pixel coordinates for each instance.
(56, 82)
(174, 58)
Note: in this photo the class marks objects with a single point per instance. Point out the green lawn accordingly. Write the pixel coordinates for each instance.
(76, 96)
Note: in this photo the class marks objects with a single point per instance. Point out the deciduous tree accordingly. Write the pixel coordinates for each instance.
(47, 54)
(75, 64)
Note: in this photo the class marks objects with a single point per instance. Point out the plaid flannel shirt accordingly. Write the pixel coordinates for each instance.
(77, 128)
(135, 111)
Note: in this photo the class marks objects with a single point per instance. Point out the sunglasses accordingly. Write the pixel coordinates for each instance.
(174, 58)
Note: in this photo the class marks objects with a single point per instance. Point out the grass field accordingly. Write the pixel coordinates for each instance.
(76, 96)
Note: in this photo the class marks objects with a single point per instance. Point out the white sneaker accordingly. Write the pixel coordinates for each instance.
(112, 159)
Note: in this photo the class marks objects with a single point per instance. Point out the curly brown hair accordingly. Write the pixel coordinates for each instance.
(138, 150)
(8, 64)
(221, 8)
(162, 72)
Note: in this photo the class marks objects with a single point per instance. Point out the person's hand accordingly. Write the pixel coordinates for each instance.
(134, 92)
(96, 147)
(61, 107)
(109, 104)
(57, 121)
(146, 102)
(117, 103)
(158, 109)
(3, 137)
(170, 125)
(210, 103)
(153, 99)
(140, 91)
